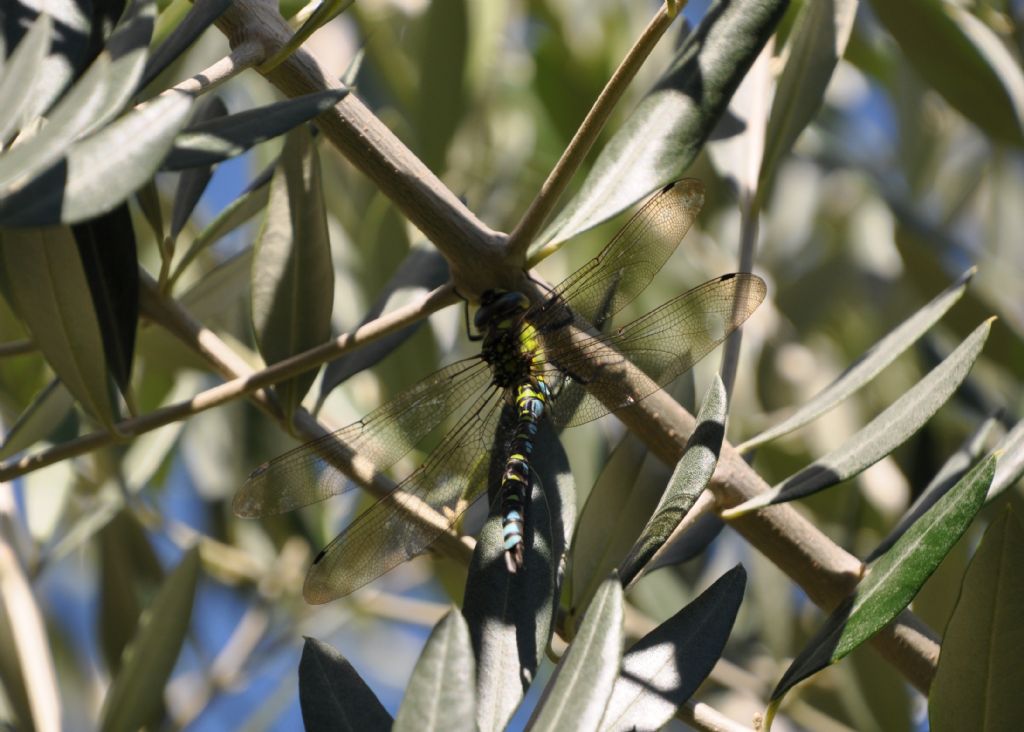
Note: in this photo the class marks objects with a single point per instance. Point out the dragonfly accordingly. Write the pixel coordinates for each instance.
(551, 358)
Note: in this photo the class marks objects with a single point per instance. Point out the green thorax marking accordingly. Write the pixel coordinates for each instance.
(510, 345)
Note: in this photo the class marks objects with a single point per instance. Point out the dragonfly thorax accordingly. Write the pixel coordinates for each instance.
(508, 346)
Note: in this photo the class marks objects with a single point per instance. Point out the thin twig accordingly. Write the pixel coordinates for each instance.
(239, 386)
(706, 718)
(243, 56)
(17, 348)
(542, 206)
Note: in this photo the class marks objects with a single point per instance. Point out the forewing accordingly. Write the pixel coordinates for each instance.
(622, 368)
(626, 266)
(397, 528)
(310, 473)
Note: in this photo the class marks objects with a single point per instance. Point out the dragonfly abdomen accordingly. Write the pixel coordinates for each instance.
(531, 398)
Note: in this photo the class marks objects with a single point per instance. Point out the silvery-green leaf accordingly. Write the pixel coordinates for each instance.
(894, 579)
(578, 692)
(440, 694)
(978, 681)
(865, 368)
(883, 434)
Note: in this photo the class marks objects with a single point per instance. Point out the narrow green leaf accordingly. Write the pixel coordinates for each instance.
(52, 296)
(26, 661)
(200, 17)
(883, 434)
(894, 578)
(234, 215)
(578, 692)
(136, 693)
(511, 616)
(979, 678)
(192, 182)
(667, 665)
(324, 13)
(293, 285)
(217, 298)
(440, 694)
(76, 109)
(333, 696)
(815, 46)
(1011, 466)
(20, 73)
(40, 419)
(128, 48)
(148, 198)
(106, 245)
(951, 471)
(869, 365)
(226, 137)
(974, 72)
(441, 98)
(130, 575)
(101, 171)
(423, 270)
(665, 132)
(618, 506)
(690, 477)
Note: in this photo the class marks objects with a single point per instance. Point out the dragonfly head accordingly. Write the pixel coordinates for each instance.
(497, 306)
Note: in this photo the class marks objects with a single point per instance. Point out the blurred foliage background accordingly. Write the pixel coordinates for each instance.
(908, 173)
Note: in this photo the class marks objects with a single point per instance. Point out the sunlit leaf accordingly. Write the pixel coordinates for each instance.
(440, 694)
(665, 132)
(20, 73)
(577, 694)
(869, 365)
(663, 669)
(815, 46)
(39, 420)
(883, 434)
(690, 477)
(894, 579)
(100, 171)
(128, 48)
(951, 471)
(1011, 465)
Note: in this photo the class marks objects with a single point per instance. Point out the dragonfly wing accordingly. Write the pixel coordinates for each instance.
(311, 473)
(626, 266)
(399, 526)
(636, 360)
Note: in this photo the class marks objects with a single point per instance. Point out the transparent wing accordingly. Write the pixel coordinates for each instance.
(309, 474)
(389, 532)
(660, 345)
(614, 278)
